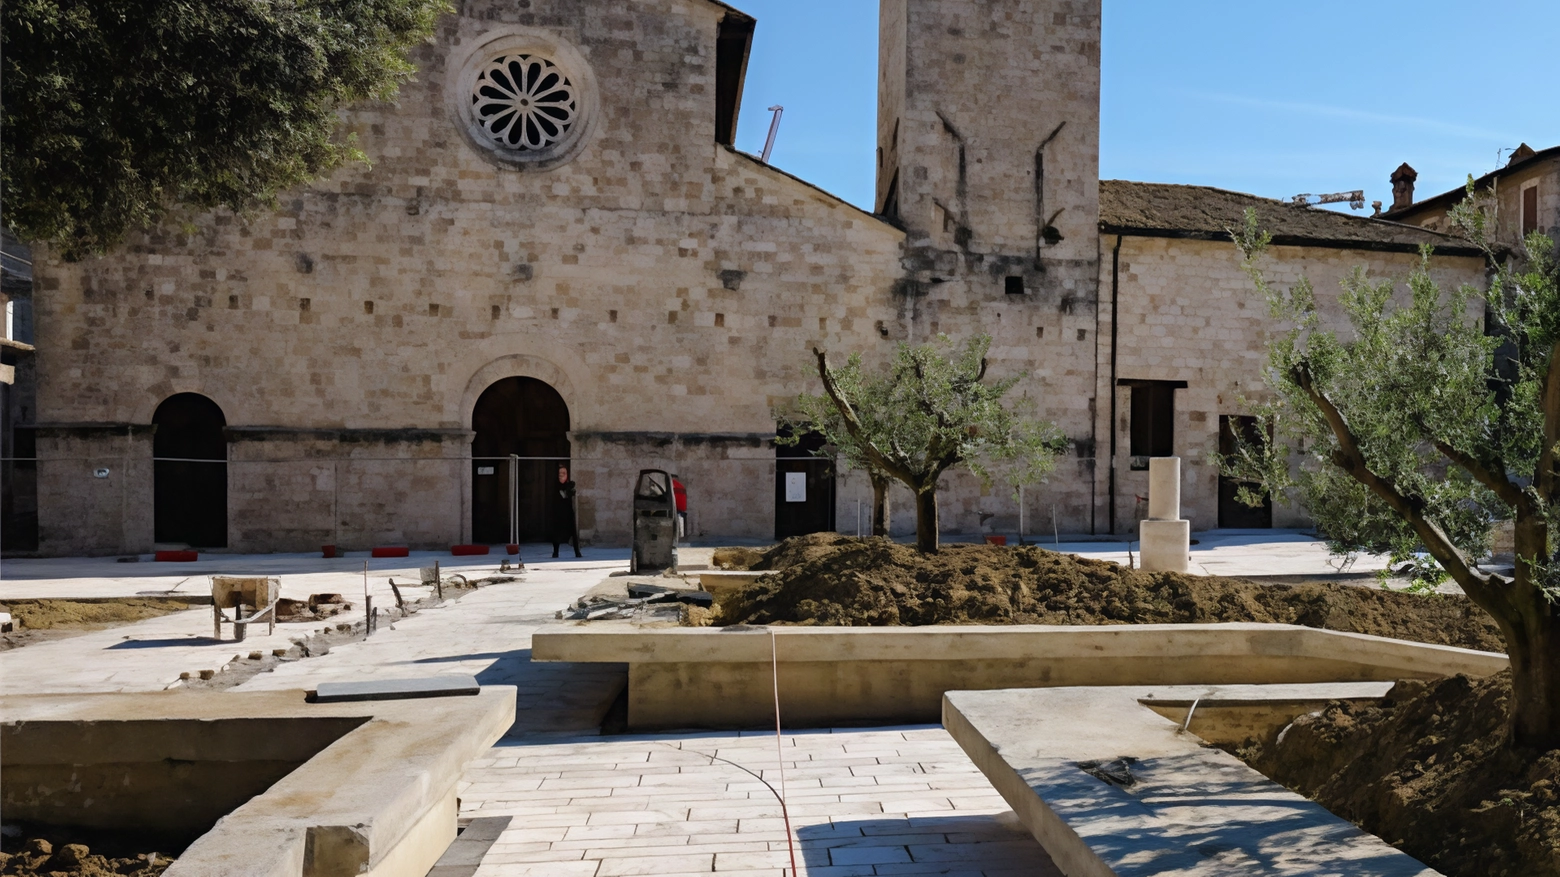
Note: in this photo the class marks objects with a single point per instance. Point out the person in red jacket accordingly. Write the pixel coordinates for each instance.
(680, 495)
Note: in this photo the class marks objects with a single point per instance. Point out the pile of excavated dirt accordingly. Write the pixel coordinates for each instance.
(38, 856)
(1427, 771)
(828, 579)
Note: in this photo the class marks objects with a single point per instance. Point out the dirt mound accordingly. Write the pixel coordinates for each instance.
(38, 856)
(1426, 771)
(837, 580)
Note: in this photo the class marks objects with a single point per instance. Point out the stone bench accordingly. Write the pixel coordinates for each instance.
(1112, 788)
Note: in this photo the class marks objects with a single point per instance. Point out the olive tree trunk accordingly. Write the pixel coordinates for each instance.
(1531, 625)
(926, 520)
(1535, 681)
(880, 510)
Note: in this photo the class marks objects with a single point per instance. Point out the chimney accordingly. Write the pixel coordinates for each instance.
(1403, 186)
(1521, 153)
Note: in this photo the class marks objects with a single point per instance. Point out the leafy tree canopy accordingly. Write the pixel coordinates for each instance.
(1433, 416)
(929, 411)
(116, 111)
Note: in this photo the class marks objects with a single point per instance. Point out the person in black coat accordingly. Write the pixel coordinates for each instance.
(565, 529)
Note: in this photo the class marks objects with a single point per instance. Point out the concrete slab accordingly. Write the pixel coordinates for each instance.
(1112, 789)
(395, 689)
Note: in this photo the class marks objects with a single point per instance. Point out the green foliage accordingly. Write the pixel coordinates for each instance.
(117, 111)
(1440, 411)
(929, 411)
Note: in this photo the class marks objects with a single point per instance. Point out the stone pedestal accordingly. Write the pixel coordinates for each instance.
(1164, 539)
(1164, 545)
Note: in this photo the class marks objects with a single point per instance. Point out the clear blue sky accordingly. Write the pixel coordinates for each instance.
(1273, 98)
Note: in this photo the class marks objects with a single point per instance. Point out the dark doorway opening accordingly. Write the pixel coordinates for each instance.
(1234, 514)
(527, 418)
(1153, 423)
(804, 487)
(189, 472)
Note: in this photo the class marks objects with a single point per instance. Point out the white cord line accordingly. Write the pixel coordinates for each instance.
(774, 664)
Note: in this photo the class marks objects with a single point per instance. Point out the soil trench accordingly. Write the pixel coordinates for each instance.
(1427, 770)
(44, 852)
(44, 619)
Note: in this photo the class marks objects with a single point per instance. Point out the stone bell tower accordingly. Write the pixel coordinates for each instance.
(988, 144)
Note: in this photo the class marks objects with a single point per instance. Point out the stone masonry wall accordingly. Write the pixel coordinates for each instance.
(997, 160)
(661, 283)
(80, 513)
(1188, 313)
(296, 490)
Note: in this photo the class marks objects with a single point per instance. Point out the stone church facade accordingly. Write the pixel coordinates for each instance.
(557, 254)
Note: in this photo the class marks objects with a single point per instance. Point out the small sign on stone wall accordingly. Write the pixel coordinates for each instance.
(484, 470)
(796, 487)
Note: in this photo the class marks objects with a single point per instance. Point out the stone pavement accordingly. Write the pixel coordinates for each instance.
(871, 801)
(486, 634)
(300, 574)
(460, 637)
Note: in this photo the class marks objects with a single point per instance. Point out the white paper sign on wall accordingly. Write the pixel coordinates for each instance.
(484, 470)
(796, 487)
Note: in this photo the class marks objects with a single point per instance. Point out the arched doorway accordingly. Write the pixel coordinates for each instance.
(527, 418)
(189, 497)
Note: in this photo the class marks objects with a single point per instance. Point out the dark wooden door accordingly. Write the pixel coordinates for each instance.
(804, 489)
(189, 472)
(1234, 514)
(527, 418)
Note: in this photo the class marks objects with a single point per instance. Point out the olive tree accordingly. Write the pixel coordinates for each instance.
(1436, 414)
(872, 401)
(930, 410)
(116, 111)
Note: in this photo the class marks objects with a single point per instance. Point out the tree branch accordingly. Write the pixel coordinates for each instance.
(926, 402)
(854, 427)
(1349, 458)
(1509, 492)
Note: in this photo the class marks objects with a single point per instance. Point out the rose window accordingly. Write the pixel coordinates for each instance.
(524, 103)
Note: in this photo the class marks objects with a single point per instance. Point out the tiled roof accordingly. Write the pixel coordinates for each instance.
(1203, 212)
